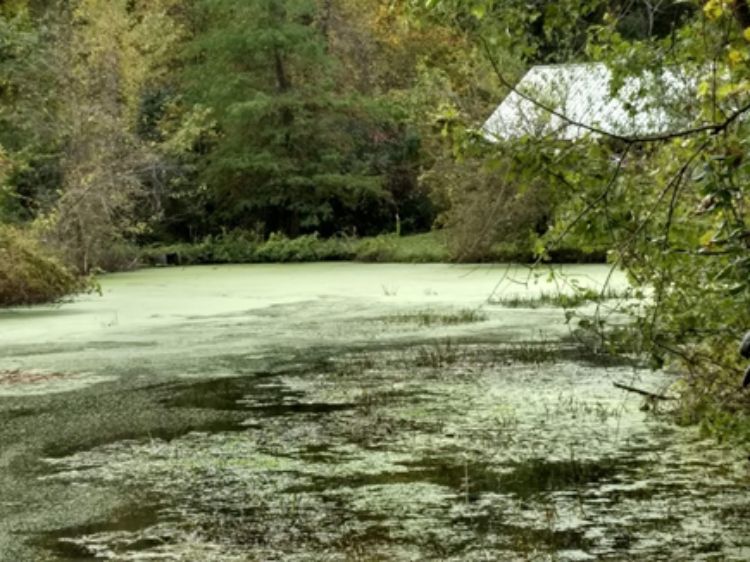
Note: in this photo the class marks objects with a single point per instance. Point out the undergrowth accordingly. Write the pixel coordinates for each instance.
(247, 247)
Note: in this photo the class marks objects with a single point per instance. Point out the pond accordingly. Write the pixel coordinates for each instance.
(341, 411)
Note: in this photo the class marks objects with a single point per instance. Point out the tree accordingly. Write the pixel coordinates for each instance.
(672, 206)
(297, 147)
(28, 136)
(109, 52)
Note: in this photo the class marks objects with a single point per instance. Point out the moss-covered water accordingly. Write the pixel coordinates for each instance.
(342, 412)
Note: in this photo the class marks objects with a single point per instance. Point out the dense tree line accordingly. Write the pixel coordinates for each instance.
(132, 122)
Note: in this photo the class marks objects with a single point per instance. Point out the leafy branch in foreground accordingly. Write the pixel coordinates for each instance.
(671, 205)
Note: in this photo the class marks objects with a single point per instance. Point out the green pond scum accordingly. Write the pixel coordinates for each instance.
(302, 412)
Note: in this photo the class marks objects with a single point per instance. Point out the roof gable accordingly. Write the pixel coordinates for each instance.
(644, 105)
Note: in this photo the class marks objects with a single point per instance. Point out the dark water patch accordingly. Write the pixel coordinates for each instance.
(163, 433)
(287, 409)
(472, 479)
(249, 394)
(275, 362)
(241, 314)
(107, 345)
(215, 394)
(467, 481)
(39, 313)
(229, 394)
(319, 454)
(530, 539)
(539, 476)
(15, 413)
(41, 350)
(737, 512)
(131, 518)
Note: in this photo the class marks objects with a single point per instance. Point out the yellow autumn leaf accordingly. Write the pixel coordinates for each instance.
(478, 11)
(732, 89)
(713, 9)
(726, 90)
(735, 56)
(707, 239)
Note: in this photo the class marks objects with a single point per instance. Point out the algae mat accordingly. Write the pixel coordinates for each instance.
(343, 412)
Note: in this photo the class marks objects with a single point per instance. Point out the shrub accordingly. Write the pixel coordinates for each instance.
(486, 205)
(245, 247)
(429, 247)
(31, 275)
(378, 249)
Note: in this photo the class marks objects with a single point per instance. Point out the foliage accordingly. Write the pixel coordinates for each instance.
(244, 247)
(112, 53)
(31, 275)
(488, 204)
(420, 248)
(247, 247)
(27, 131)
(574, 298)
(296, 148)
(671, 207)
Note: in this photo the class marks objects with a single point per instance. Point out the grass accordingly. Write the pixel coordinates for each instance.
(427, 318)
(559, 299)
(430, 247)
(438, 355)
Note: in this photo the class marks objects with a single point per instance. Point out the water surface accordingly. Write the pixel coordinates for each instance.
(344, 412)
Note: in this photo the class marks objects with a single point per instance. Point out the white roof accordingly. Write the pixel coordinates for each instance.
(643, 105)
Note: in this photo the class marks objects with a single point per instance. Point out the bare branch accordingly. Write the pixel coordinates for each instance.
(645, 393)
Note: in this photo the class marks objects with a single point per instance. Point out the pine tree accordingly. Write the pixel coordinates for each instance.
(296, 150)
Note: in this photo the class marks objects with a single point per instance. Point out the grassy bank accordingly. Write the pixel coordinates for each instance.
(431, 247)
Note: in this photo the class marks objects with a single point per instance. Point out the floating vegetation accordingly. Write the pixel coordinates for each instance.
(414, 456)
(310, 429)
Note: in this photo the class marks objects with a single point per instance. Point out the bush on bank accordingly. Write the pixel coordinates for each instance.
(31, 275)
(430, 247)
